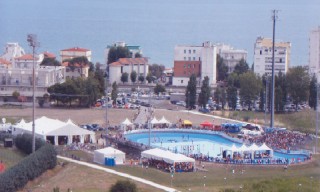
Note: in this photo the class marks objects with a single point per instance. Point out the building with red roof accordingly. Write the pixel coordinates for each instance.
(128, 65)
(73, 52)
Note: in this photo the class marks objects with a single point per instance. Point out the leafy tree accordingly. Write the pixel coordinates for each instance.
(313, 93)
(262, 99)
(298, 82)
(114, 92)
(156, 70)
(250, 86)
(80, 62)
(159, 89)
(232, 94)
(117, 52)
(124, 186)
(100, 77)
(50, 62)
(233, 80)
(149, 78)
(137, 55)
(124, 77)
(141, 78)
(220, 96)
(280, 91)
(15, 94)
(205, 92)
(191, 92)
(133, 76)
(241, 67)
(222, 69)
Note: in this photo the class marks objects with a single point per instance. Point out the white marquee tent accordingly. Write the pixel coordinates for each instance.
(164, 121)
(56, 131)
(166, 156)
(109, 152)
(154, 121)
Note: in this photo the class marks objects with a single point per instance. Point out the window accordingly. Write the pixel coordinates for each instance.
(189, 66)
(199, 59)
(260, 52)
(181, 81)
(184, 58)
(189, 51)
(185, 65)
(194, 51)
(194, 58)
(185, 51)
(194, 65)
(189, 58)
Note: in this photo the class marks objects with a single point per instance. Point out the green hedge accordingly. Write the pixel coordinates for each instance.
(28, 169)
(24, 143)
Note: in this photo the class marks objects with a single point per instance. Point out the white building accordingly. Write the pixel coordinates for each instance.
(17, 75)
(314, 52)
(12, 50)
(198, 60)
(263, 56)
(231, 56)
(133, 49)
(128, 65)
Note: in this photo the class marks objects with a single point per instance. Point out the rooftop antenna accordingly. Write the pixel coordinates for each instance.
(32, 39)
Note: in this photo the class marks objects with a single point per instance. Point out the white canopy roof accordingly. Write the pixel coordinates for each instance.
(253, 147)
(164, 121)
(264, 147)
(126, 122)
(243, 148)
(166, 156)
(43, 125)
(154, 121)
(70, 129)
(234, 148)
(109, 150)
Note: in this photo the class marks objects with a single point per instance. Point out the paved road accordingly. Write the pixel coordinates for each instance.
(147, 182)
(143, 115)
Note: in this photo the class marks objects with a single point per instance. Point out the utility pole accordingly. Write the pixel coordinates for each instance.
(32, 39)
(274, 18)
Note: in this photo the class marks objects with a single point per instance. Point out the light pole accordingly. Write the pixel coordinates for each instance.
(311, 180)
(204, 183)
(107, 100)
(274, 18)
(225, 183)
(32, 39)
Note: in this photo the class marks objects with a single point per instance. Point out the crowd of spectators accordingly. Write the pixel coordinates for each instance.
(167, 167)
(280, 139)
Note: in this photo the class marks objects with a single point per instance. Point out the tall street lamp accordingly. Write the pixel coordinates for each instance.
(32, 39)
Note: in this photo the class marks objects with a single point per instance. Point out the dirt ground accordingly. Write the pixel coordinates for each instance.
(78, 116)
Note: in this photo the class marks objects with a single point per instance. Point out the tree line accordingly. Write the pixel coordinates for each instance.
(243, 87)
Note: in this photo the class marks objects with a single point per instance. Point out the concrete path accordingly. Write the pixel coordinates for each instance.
(164, 188)
(143, 115)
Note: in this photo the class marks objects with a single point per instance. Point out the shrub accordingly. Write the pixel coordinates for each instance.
(24, 143)
(124, 186)
(28, 169)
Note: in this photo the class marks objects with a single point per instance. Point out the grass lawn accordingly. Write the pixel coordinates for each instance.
(304, 121)
(253, 176)
(10, 156)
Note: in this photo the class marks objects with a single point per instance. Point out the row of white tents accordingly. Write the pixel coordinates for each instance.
(127, 123)
(56, 131)
(252, 149)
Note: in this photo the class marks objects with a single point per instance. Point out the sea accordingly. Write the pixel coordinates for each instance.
(157, 25)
